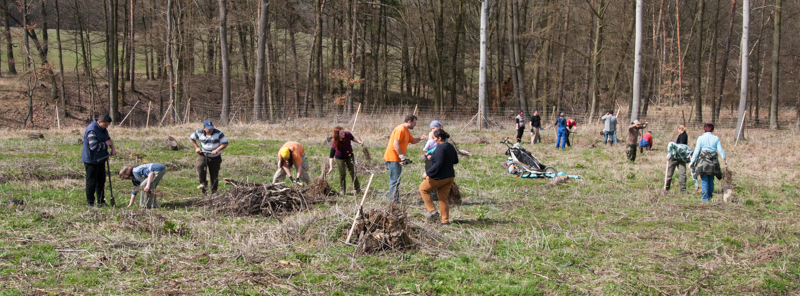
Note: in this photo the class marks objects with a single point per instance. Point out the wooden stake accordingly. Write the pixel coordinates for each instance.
(741, 125)
(147, 125)
(165, 114)
(186, 114)
(58, 120)
(666, 174)
(129, 113)
(356, 119)
(415, 110)
(358, 211)
(470, 121)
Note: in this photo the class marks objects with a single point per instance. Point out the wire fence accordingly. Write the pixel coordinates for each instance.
(241, 111)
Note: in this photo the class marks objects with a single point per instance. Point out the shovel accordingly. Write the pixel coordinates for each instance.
(111, 201)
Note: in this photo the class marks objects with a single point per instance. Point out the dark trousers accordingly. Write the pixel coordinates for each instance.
(344, 166)
(213, 171)
(566, 137)
(519, 133)
(631, 152)
(95, 182)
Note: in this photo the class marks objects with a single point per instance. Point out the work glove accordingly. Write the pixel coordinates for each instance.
(293, 180)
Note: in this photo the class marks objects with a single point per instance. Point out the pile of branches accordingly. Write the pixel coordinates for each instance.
(259, 199)
(379, 230)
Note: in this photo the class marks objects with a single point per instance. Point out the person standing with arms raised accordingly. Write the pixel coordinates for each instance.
(395, 154)
(94, 155)
(209, 154)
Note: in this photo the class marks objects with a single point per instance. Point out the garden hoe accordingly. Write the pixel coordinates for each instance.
(111, 200)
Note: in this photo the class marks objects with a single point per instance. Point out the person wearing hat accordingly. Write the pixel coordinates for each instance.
(633, 139)
(146, 178)
(429, 147)
(561, 122)
(209, 154)
(96, 143)
(292, 154)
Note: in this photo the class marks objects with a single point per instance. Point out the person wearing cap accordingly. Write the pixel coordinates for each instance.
(292, 154)
(395, 154)
(145, 178)
(572, 126)
(561, 123)
(209, 154)
(520, 124)
(342, 152)
(633, 138)
(94, 155)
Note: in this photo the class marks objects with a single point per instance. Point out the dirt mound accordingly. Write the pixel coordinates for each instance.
(260, 199)
(379, 230)
(320, 188)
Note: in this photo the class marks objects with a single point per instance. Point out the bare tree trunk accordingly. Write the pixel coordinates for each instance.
(637, 68)
(454, 81)
(680, 54)
(318, 87)
(724, 68)
(260, 60)
(598, 43)
(523, 103)
(311, 55)
(776, 63)
(698, 93)
(63, 100)
(482, 73)
(111, 60)
(745, 67)
(131, 49)
(352, 61)
(713, 62)
(12, 65)
(226, 68)
(563, 65)
(168, 55)
(296, 83)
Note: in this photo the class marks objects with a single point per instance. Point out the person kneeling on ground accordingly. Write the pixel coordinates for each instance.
(342, 151)
(145, 177)
(292, 154)
(646, 142)
(439, 177)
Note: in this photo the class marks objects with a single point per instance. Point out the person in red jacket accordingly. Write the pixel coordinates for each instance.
(646, 142)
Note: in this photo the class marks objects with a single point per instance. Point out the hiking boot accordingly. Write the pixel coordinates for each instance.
(202, 187)
(432, 216)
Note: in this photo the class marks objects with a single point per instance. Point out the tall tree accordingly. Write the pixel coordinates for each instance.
(482, 72)
(226, 67)
(776, 63)
(745, 68)
(725, 62)
(63, 99)
(111, 59)
(637, 68)
(698, 93)
(12, 65)
(260, 53)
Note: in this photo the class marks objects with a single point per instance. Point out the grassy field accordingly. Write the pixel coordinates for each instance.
(613, 233)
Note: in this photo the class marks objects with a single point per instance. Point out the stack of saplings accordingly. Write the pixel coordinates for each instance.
(261, 199)
(378, 230)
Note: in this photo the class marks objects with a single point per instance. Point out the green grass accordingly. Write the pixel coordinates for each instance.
(613, 233)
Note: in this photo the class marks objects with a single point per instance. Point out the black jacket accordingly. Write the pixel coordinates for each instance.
(442, 161)
(682, 139)
(536, 121)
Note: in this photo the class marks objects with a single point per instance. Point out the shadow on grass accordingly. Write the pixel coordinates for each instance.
(481, 222)
(176, 204)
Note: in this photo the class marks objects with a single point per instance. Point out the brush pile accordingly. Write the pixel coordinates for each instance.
(261, 199)
(379, 230)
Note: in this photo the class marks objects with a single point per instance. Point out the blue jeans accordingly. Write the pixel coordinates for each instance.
(612, 135)
(562, 135)
(707, 183)
(395, 169)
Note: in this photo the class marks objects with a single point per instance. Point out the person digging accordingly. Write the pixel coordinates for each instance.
(145, 178)
(292, 154)
(95, 154)
(209, 154)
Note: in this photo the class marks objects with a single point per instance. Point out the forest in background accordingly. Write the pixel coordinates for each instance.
(270, 60)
